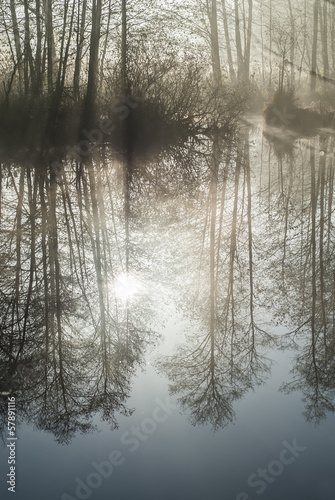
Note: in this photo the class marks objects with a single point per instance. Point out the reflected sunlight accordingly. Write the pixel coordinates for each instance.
(126, 286)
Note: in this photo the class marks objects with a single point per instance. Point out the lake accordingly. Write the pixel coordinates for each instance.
(167, 322)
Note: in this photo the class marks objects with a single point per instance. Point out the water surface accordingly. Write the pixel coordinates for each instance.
(167, 324)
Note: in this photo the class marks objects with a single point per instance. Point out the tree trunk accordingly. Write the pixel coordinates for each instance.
(250, 234)
(246, 69)
(80, 45)
(124, 76)
(215, 51)
(292, 48)
(103, 56)
(314, 45)
(213, 197)
(238, 42)
(67, 49)
(38, 53)
(228, 45)
(29, 70)
(324, 39)
(17, 42)
(61, 52)
(50, 42)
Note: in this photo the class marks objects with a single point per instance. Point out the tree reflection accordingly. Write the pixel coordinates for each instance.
(224, 357)
(68, 343)
(234, 251)
(305, 248)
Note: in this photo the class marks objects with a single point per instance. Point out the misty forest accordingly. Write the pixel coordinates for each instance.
(162, 156)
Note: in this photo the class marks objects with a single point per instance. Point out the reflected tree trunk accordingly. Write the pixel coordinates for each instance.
(44, 222)
(322, 167)
(213, 189)
(19, 230)
(32, 196)
(330, 195)
(250, 250)
(233, 246)
(96, 243)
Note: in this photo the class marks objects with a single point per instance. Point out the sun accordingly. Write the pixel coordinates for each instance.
(126, 286)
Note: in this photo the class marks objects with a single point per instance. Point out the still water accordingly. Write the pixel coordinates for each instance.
(167, 323)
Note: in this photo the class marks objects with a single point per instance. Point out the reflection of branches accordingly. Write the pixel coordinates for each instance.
(220, 363)
(67, 343)
(210, 375)
(305, 253)
(202, 385)
(314, 376)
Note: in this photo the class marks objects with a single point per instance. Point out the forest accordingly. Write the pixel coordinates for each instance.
(66, 64)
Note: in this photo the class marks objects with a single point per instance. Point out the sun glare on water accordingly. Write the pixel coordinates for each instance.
(126, 286)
